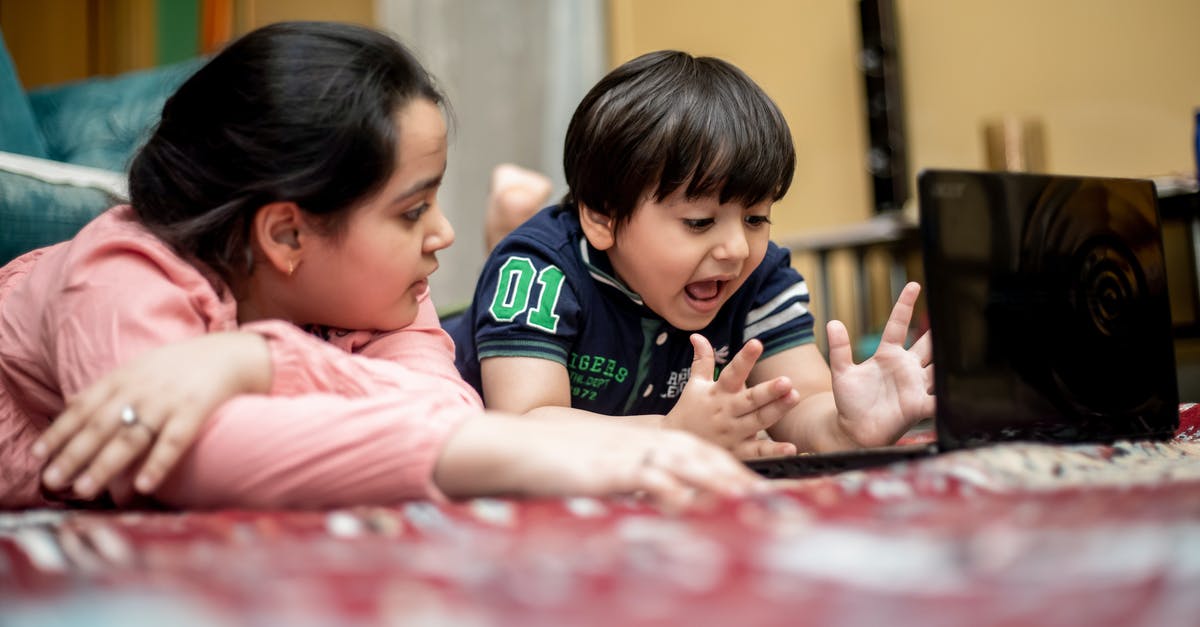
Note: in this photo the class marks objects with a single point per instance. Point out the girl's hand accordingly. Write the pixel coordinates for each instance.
(881, 398)
(500, 454)
(725, 411)
(161, 398)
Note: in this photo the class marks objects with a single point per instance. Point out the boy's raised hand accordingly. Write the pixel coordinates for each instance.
(881, 398)
(725, 411)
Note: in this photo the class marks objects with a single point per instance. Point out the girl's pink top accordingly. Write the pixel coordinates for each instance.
(357, 418)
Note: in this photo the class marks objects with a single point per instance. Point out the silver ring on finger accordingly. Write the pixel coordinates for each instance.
(129, 418)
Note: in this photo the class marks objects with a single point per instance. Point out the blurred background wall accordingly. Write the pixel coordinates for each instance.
(513, 71)
(1111, 83)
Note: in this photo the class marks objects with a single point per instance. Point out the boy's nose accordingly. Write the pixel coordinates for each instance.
(733, 244)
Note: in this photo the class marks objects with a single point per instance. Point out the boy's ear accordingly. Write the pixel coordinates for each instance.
(279, 232)
(597, 227)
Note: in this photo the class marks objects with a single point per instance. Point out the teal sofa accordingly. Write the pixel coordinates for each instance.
(64, 149)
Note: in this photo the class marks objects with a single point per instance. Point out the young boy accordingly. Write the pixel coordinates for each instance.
(612, 302)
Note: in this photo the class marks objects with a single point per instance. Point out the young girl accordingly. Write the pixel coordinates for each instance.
(661, 252)
(261, 307)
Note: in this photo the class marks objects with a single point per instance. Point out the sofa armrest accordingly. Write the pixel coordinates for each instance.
(43, 202)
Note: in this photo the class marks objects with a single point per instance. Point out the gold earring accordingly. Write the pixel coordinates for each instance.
(291, 267)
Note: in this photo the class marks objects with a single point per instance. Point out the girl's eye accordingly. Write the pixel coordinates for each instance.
(697, 224)
(415, 214)
(757, 221)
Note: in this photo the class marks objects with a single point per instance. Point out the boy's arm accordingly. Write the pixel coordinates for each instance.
(536, 387)
(812, 425)
(848, 405)
(723, 411)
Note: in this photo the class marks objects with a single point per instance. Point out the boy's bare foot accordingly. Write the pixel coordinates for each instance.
(516, 194)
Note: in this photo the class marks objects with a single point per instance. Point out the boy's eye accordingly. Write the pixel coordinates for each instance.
(698, 224)
(756, 221)
(414, 214)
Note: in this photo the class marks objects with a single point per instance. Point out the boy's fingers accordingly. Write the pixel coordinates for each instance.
(754, 449)
(734, 375)
(929, 406)
(703, 360)
(896, 329)
(840, 355)
(768, 401)
(923, 349)
(772, 412)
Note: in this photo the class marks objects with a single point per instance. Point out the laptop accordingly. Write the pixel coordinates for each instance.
(1047, 301)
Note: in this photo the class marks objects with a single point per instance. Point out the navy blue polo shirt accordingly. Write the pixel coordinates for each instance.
(546, 293)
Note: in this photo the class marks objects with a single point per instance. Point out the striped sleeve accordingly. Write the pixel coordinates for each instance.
(779, 315)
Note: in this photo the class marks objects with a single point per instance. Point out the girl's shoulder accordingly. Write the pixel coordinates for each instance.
(115, 248)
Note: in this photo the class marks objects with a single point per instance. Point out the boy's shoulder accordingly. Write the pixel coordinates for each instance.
(554, 231)
(774, 274)
(777, 257)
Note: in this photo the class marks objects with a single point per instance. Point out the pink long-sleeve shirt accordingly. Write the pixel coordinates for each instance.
(356, 418)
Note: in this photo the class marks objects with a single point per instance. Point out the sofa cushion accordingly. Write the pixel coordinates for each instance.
(100, 122)
(44, 202)
(18, 131)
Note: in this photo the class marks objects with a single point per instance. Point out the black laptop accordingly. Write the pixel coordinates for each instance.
(1047, 301)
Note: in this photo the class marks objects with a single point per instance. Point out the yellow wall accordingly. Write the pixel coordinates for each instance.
(803, 54)
(1114, 82)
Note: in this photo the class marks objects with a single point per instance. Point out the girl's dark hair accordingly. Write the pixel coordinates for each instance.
(294, 111)
(666, 119)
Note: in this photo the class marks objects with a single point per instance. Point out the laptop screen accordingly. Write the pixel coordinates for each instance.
(1048, 305)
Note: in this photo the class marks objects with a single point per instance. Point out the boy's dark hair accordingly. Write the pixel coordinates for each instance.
(666, 119)
(294, 111)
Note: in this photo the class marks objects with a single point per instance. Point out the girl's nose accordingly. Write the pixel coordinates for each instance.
(440, 235)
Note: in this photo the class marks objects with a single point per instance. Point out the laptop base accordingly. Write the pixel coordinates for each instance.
(812, 465)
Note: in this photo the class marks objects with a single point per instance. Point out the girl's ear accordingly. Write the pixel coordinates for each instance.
(279, 232)
(597, 227)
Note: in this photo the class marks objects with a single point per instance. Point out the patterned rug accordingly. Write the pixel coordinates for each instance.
(1007, 535)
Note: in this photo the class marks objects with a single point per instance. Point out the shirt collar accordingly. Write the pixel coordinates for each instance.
(599, 266)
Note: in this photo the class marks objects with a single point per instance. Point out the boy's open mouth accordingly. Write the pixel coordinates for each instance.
(703, 290)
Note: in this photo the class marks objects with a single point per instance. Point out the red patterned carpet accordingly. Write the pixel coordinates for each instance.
(1009, 535)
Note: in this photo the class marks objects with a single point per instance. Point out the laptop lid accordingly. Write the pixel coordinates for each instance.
(1047, 299)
